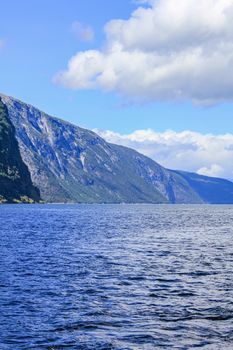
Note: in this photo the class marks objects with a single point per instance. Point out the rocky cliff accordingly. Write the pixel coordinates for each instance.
(15, 181)
(71, 164)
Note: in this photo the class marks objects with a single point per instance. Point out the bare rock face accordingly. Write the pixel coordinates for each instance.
(15, 181)
(71, 164)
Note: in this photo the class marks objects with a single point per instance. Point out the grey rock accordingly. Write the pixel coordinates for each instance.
(71, 164)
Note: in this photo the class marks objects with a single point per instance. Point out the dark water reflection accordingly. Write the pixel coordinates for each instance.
(122, 277)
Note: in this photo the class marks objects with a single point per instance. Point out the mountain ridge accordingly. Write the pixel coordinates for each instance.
(72, 164)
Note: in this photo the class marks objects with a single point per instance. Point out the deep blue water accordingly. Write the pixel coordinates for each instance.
(121, 277)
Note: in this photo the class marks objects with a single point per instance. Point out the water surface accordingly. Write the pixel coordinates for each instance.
(119, 277)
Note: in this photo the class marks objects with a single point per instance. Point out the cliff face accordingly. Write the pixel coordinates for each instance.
(15, 181)
(71, 164)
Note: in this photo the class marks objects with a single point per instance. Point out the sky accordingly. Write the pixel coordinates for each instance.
(154, 75)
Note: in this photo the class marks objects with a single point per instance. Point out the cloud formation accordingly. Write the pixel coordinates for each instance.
(166, 51)
(208, 154)
(82, 32)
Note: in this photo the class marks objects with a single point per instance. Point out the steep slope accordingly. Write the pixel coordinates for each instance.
(210, 189)
(15, 180)
(71, 164)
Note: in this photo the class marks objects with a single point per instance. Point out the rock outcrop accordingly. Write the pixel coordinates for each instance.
(15, 181)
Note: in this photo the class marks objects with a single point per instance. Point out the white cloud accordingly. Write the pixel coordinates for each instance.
(169, 50)
(214, 170)
(82, 32)
(208, 154)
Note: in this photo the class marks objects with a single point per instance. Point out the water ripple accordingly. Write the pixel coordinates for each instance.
(117, 277)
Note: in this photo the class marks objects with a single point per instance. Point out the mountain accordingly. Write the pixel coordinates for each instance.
(71, 164)
(15, 181)
(210, 189)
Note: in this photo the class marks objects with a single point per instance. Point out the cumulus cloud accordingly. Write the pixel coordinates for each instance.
(166, 51)
(82, 32)
(208, 154)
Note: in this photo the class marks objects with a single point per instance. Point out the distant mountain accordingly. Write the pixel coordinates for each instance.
(71, 164)
(15, 181)
(210, 189)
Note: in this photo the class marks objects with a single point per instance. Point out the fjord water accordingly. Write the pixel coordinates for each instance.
(116, 277)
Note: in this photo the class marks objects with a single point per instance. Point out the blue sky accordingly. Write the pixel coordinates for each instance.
(38, 42)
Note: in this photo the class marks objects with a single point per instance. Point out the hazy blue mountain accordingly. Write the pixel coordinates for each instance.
(71, 164)
(210, 189)
(15, 180)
